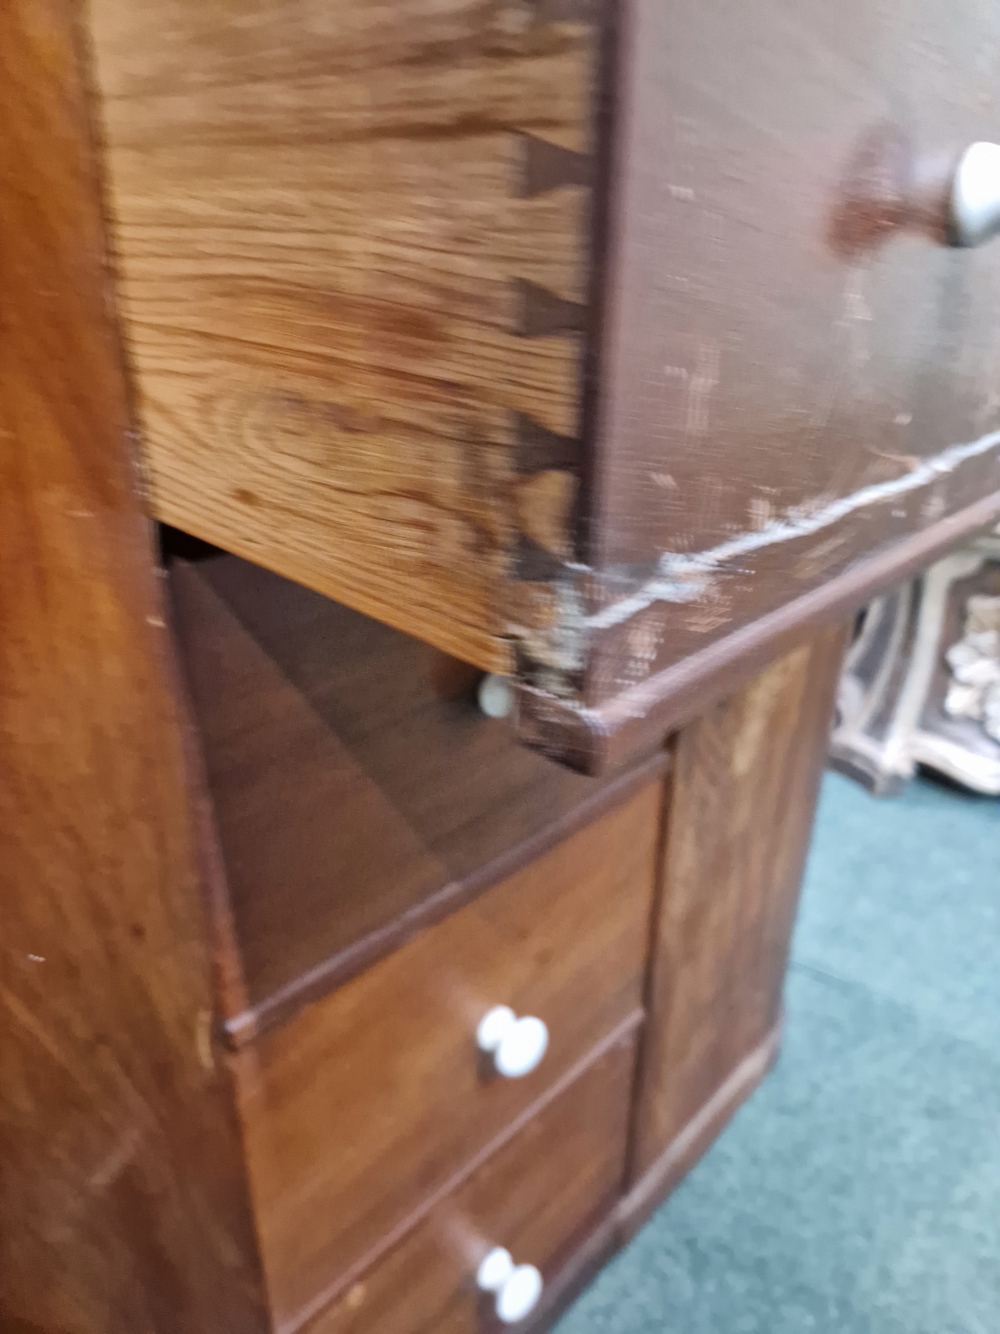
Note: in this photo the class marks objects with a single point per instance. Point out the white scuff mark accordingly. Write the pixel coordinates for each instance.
(559, 649)
(907, 460)
(701, 386)
(856, 319)
(989, 408)
(686, 578)
(203, 1039)
(116, 1162)
(933, 508)
(644, 642)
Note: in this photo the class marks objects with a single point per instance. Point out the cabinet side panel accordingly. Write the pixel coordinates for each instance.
(122, 1205)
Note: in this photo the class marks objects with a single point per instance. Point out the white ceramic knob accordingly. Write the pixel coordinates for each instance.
(517, 1287)
(496, 696)
(516, 1045)
(494, 1270)
(975, 195)
(519, 1295)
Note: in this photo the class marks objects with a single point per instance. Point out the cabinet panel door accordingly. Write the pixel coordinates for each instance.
(743, 796)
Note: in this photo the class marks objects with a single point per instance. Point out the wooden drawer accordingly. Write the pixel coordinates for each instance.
(371, 1100)
(353, 247)
(577, 337)
(537, 1195)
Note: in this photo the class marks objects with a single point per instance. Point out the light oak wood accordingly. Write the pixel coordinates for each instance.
(369, 1100)
(351, 240)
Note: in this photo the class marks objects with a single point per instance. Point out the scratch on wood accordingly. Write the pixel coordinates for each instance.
(203, 1039)
(701, 386)
(116, 1162)
(557, 650)
(686, 578)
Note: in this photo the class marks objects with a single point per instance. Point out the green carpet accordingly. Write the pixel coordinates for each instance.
(858, 1192)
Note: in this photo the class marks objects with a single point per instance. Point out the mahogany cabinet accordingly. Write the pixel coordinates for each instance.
(349, 351)
(397, 876)
(595, 341)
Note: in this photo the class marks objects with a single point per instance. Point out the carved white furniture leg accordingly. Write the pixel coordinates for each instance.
(921, 683)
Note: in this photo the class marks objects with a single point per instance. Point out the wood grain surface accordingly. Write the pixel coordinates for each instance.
(574, 338)
(352, 242)
(634, 722)
(796, 370)
(359, 794)
(123, 1208)
(371, 1099)
(538, 1196)
(742, 800)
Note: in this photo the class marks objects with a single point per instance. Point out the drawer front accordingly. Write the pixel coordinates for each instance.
(789, 339)
(535, 1196)
(371, 1100)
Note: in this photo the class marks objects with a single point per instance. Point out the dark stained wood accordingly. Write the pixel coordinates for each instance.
(539, 449)
(618, 333)
(758, 369)
(123, 1208)
(359, 793)
(380, 396)
(538, 1195)
(743, 794)
(647, 1192)
(548, 166)
(634, 722)
(588, 1253)
(787, 343)
(371, 1099)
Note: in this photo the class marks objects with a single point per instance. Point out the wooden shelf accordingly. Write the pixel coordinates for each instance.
(358, 793)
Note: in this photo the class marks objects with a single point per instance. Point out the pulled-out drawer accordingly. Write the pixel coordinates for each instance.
(600, 341)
